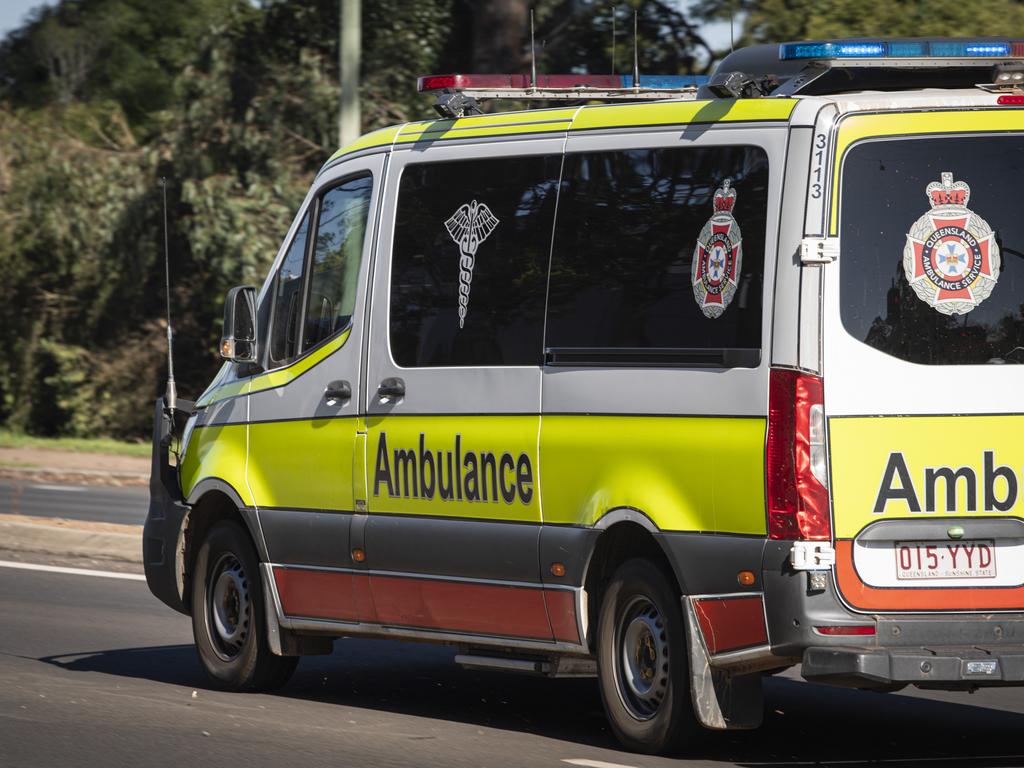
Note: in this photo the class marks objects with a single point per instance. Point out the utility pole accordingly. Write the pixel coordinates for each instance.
(349, 53)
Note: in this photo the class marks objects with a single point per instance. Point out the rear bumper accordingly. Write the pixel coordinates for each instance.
(162, 534)
(938, 667)
(928, 650)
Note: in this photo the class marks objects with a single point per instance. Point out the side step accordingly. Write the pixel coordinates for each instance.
(544, 666)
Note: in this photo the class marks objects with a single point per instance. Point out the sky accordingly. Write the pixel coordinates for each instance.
(13, 13)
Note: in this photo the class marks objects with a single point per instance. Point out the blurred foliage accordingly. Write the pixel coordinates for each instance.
(772, 21)
(235, 104)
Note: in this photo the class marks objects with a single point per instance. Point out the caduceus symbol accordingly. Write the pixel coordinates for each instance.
(469, 226)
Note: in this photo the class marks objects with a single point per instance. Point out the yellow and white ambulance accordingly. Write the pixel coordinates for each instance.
(676, 386)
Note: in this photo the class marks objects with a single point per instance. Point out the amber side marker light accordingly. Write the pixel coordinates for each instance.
(846, 630)
(358, 555)
(558, 569)
(746, 578)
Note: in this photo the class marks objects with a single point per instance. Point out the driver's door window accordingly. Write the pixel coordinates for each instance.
(287, 307)
(338, 250)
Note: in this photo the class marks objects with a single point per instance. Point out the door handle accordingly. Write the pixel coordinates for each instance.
(391, 389)
(337, 391)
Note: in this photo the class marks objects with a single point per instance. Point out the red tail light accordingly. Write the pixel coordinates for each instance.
(798, 502)
(846, 630)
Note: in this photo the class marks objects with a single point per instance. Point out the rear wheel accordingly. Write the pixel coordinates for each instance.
(228, 620)
(642, 665)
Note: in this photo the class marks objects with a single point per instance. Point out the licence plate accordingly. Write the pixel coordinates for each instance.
(946, 560)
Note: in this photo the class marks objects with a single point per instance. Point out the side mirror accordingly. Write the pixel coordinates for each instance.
(238, 342)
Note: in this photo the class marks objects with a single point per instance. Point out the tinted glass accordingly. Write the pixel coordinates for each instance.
(622, 273)
(338, 252)
(284, 327)
(974, 247)
(469, 263)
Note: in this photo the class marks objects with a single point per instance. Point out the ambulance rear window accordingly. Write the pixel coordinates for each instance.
(932, 248)
(658, 258)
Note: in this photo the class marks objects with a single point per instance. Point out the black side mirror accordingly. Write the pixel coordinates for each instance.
(238, 342)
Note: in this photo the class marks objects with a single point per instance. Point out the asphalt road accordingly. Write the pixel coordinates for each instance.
(126, 505)
(95, 672)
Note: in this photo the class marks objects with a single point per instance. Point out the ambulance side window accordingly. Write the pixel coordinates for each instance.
(287, 307)
(630, 226)
(337, 254)
(469, 261)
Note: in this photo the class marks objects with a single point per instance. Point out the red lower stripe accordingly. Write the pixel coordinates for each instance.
(453, 606)
(562, 612)
(333, 595)
(731, 623)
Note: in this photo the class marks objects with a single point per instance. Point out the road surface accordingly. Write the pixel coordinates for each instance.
(96, 672)
(126, 505)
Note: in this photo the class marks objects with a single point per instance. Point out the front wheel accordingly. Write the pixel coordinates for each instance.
(228, 620)
(642, 665)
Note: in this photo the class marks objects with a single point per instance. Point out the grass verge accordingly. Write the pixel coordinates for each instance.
(10, 439)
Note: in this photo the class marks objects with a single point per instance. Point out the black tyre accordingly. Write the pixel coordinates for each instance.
(642, 664)
(228, 620)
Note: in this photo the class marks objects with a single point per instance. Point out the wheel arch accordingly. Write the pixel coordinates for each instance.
(626, 533)
(211, 501)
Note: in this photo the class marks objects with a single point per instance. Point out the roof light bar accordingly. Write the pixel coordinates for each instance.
(903, 49)
(564, 86)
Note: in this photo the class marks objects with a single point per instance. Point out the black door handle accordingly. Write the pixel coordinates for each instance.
(391, 389)
(337, 390)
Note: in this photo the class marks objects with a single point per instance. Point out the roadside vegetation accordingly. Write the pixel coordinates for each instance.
(16, 440)
(235, 103)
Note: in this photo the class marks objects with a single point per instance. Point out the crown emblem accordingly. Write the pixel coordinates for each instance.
(725, 197)
(948, 192)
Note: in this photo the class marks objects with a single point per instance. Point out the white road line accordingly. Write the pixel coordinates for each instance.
(595, 763)
(72, 571)
(43, 487)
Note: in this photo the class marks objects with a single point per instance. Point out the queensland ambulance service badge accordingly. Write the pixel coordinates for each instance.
(951, 259)
(718, 256)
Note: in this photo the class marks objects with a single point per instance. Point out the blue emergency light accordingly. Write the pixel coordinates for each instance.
(903, 49)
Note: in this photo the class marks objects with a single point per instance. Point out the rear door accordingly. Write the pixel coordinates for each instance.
(924, 362)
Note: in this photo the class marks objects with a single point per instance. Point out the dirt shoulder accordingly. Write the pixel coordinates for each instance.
(79, 467)
(54, 541)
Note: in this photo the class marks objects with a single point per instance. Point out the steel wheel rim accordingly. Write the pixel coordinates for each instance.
(228, 607)
(641, 656)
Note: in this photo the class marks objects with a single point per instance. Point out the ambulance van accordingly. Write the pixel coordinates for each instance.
(673, 386)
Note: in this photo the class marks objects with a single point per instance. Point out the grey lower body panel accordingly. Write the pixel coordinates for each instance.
(953, 667)
(708, 563)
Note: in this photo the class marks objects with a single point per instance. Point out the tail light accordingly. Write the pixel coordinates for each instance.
(798, 501)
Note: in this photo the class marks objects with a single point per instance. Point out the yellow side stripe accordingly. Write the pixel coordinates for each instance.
(277, 378)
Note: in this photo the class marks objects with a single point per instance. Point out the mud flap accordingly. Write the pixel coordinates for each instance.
(283, 642)
(722, 700)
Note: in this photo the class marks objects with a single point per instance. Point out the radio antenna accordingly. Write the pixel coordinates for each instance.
(636, 55)
(732, 19)
(533, 56)
(171, 393)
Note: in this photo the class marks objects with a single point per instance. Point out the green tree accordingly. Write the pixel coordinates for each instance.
(771, 21)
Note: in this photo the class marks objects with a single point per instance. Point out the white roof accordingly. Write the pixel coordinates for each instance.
(937, 98)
